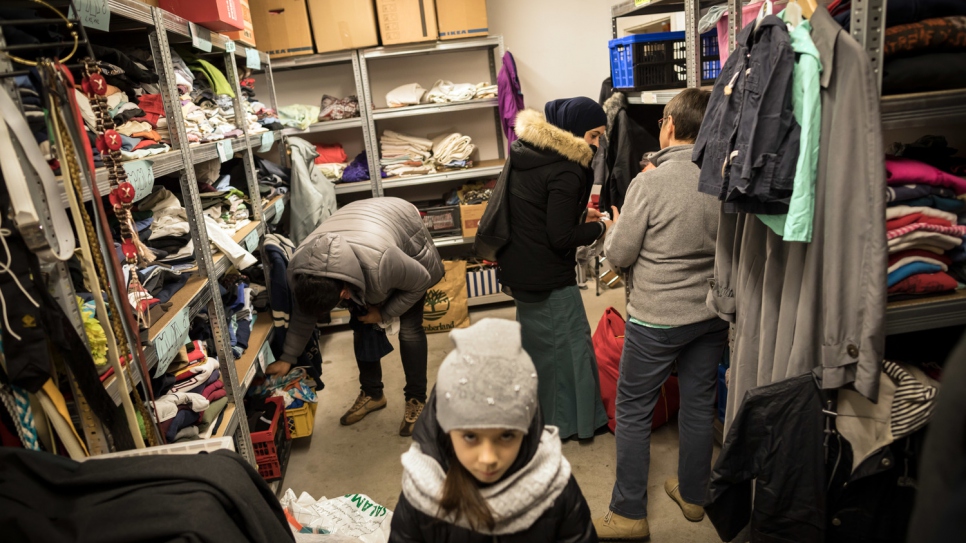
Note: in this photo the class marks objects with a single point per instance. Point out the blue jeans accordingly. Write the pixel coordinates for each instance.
(646, 362)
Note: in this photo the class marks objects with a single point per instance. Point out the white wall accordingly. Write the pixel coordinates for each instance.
(560, 46)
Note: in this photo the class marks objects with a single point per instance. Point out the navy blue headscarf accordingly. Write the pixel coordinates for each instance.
(575, 115)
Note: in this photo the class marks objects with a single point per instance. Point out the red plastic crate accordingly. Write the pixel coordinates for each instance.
(267, 443)
(269, 469)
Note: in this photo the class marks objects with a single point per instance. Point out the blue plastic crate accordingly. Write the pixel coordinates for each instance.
(658, 60)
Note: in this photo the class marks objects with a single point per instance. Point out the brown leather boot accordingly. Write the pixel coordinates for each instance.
(613, 527)
(363, 405)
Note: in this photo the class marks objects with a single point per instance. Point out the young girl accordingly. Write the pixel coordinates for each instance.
(483, 466)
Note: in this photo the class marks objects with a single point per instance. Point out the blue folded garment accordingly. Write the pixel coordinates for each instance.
(910, 269)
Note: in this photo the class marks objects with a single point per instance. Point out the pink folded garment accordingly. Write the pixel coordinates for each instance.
(903, 230)
(903, 170)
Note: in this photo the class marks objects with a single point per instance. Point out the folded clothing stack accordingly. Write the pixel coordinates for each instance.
(335, 109)
(332, 160)
(191, 396)
(357, 170)
(406, 155)
(453, 150)
(442, 92)
(170, 235)
(298, 115)
(924, 46)
(926, 238)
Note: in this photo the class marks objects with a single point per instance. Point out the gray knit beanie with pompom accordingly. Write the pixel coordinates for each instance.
(488, 381)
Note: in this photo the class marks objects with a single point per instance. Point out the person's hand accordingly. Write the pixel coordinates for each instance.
(373, 317)
(593, 215)
(278, 368)
(610, 224)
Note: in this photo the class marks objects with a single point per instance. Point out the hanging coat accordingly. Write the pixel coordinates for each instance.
(626, 144)
(799, 306)
(511, 97)
(313, 196)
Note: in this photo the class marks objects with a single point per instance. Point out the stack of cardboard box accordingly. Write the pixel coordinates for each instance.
(285, 28)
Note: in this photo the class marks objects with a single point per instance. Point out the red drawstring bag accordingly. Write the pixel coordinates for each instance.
(608, 345)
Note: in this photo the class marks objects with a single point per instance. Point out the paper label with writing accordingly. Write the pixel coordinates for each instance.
(200, 37)
(171, 338)
(140, 173)
(225, 151)
(638, 3)
(251, 58)
(251, 241)
(268, 139)
(279, 209)
(93, 14)
(229, 46)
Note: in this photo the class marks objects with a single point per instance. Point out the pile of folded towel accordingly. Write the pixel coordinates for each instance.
(442, 92)
(453, 150)
(406, 155)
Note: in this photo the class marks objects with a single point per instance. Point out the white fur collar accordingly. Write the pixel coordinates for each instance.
(533, 128)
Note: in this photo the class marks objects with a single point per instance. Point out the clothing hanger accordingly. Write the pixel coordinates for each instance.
(808, 7)
(793, 15)
(768, 8)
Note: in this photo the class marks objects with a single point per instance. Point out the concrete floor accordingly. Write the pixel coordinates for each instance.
(364, 458)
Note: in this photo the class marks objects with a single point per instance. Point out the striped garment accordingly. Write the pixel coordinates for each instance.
(903, 230)
(913, 402)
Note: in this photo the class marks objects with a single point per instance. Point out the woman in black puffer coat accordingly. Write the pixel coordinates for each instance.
(549, 184)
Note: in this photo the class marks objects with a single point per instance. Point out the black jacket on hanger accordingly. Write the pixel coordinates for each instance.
(626, 144)
(771, 469)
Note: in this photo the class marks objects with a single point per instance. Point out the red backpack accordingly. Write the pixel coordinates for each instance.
(608, 346)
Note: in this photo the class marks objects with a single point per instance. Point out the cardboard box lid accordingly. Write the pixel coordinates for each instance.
(343, 24)
(461, 18)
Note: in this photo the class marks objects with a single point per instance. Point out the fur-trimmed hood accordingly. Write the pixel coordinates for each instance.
(533, 128)
(612, 107)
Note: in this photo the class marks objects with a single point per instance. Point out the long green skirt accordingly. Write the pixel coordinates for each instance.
(556, 335)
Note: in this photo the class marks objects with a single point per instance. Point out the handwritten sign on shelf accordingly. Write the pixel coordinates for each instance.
(200, 37)
(93, 14)
(251, 241)
(279, 209)
(140, 173)
(225, 151)
(171, 338)
(268, 139)
(252, 59)
(229, 46)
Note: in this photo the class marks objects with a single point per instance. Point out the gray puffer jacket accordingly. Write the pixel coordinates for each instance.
(380, 247)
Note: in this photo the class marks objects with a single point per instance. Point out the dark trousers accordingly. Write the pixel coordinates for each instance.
(646, 364)
(413, 351)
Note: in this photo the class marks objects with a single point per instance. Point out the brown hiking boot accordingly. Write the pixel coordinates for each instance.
(692, 512)
(414, 408)
(363, 406)
(613, 527)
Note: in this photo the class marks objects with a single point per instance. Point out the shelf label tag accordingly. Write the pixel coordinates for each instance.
(251, 241)
(648, 98)
(268, 139)
(200, 37)
(171, 338)
(229, 46)
(251, 58)
(140, 173)
(279, 209)
(93, 14)
(639, 3)
(225, 152)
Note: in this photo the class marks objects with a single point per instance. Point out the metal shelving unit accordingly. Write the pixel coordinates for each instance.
(201, 291)
(486, 168)
(429, 109)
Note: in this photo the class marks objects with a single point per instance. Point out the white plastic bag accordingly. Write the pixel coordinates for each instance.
(352, 515)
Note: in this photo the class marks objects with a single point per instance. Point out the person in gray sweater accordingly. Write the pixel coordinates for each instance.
(666, 236)
(377, 258)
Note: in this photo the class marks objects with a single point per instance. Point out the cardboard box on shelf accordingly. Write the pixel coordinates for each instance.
(282, 27)
(461, 19)
(217, 15)
(343, 24)
(470, 216)
(406, 21)
(247, 34)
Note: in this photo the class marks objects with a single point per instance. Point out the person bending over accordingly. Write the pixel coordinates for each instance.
(377, 258)
(666, 234)
(483, 466)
